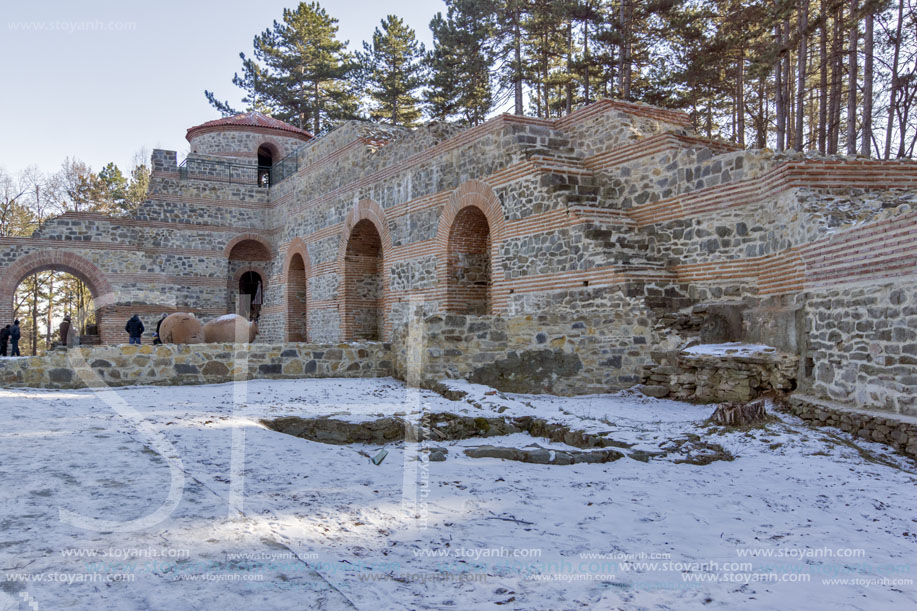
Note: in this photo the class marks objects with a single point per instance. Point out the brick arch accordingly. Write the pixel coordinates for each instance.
(353, 307)
(103, 295)
(296, 297)
(227, 251)
(276, 148)
(56, 260)
(365, 209)
(471, 194)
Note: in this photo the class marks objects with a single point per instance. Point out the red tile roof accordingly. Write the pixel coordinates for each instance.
(250, 119)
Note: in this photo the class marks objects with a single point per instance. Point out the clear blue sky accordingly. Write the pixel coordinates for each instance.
(103, 78)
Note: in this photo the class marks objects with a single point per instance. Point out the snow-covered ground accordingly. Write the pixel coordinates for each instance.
(178, 498)
(731, 349)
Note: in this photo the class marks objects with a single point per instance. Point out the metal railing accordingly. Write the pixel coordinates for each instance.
(285, 168)
(225, 171)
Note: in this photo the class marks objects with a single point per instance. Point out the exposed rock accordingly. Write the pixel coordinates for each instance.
(716, 378)
(542, 456)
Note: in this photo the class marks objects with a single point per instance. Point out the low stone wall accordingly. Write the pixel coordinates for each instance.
(194, 364)
(558, 354)
(897, 431)
(709, 378)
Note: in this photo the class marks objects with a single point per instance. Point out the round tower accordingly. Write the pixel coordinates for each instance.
(250, 136)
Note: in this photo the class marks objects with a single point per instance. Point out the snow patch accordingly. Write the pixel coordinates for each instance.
(731, 349)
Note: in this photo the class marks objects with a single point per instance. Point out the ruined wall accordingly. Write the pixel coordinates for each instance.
(564, 355)
(194, 364)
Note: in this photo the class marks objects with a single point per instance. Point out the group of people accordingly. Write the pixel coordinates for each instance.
(10, 335)
(135, 329)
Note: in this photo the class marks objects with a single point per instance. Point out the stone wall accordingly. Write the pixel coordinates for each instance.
(861, 346)
(899, 432)
(194, 364)
(564, 355)
(242, 143)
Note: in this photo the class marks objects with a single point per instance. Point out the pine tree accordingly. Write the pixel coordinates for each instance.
(509, 42)
(250, 83)
(459, 64)
(139, 186)
(112, 190)
(393, 69)
(301, 73)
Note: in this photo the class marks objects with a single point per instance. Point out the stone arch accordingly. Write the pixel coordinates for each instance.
(248, 252)
(364, 247)
(276, 148)
(267, 155)
(468, 239)
(63, 261)
(365, 209)
(232, 287)
(234, 248)
(296, 269)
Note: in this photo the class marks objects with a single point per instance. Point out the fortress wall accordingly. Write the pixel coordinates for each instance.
(607, 125)
(414, 191)
(606, 226)
(680, 170)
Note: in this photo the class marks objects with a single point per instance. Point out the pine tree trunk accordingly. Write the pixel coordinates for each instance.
(801, 60)
(517, 68)
(626, 34)
(779, 102)
(761, 127)
(569, 84)
(852, 81)
(587, 62)
(316, 122)
(740, 99)
(834, 106)
(50, 336)
(892, 102)
(788, 83)
(34, 337)
(823, 79)
(866, 142)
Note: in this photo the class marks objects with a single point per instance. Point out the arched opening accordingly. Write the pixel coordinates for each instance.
(363, 283)
(247, 290)
(267, 155)
(251, 295)
(469, 275)
(54, 307)
(297, 324)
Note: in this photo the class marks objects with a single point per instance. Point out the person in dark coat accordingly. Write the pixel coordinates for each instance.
(15, 334)
(134, 328)
(158, 340)
(4, 339)
(64, 330)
